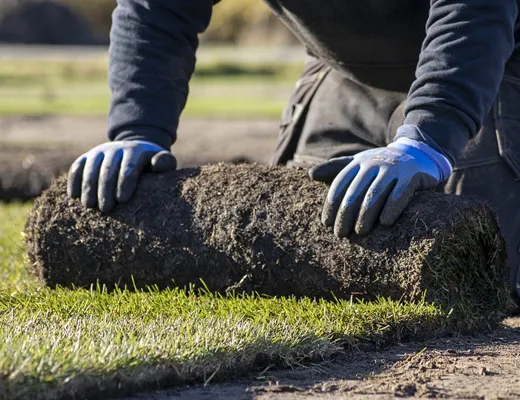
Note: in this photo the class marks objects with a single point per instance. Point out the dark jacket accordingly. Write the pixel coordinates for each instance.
(449, 54)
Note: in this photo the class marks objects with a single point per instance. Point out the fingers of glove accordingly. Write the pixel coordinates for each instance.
(398, 200)
(336, 193)
(132, 166)
(326, 172)
(350, 205)
(108, 178)
(90, 181)
(374, 202)
(163, 161)
(75, 177)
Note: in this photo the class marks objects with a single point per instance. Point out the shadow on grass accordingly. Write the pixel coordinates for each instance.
(350, 359)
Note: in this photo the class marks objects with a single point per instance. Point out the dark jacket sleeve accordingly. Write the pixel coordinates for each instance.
(460, 68)
(152, 57)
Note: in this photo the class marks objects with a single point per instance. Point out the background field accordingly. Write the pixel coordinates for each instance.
(219, 88)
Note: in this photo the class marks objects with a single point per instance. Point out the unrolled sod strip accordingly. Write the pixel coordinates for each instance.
(257, 228)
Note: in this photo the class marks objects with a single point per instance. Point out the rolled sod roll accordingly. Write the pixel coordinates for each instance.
(257, 229)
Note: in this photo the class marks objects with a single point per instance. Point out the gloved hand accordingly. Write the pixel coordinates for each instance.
(377, 185)
(109, 172)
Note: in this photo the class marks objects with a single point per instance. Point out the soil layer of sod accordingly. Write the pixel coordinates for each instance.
(257, 229)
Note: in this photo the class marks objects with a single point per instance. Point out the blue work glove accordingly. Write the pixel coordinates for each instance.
(377, 185)
(108, 174)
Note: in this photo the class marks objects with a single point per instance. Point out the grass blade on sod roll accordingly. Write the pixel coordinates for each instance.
(257, 229)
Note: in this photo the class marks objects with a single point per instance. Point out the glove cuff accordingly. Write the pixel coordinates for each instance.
(442, 162)
(150, 135)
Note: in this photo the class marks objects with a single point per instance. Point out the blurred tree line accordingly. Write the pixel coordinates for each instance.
(234, 21)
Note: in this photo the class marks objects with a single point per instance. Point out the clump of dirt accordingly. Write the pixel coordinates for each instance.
(256, 228)
(27, 171)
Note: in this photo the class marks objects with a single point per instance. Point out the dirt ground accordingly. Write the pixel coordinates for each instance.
(199, 140)
(33, 150)
(485, 367)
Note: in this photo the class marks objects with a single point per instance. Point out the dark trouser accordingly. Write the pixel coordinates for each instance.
(330, 115)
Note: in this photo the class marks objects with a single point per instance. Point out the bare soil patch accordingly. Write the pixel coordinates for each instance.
(35, 150)
(482, 367)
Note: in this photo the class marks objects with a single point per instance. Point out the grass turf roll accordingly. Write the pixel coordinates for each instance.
(257, 228)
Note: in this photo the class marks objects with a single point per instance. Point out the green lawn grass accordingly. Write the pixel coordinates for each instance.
(61, 343)
(80, 88)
